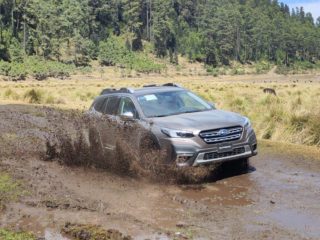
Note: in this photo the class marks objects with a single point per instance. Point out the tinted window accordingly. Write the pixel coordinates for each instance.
(126, 105)
(99, 104)
(112, 105)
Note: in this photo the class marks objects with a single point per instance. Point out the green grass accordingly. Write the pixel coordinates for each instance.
(9, 235)
(10, 190)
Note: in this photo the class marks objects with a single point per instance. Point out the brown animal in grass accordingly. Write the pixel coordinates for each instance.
(270, 91)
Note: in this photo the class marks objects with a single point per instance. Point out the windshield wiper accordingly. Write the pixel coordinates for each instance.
(193, 111)
(178, 113)
(164, 115)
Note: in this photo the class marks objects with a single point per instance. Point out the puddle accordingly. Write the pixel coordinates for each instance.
(225, 192)
(48, 232)
(230, 192)
(51, 234)
(294, 220)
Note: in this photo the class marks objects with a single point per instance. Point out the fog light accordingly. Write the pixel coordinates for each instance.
(183, 158)
(254, 147)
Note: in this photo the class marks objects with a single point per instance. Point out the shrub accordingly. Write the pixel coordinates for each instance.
(268, 132)
(262, 67)
(213, 71)
(50, 100)
(42, 69)
(298, 122)
(38, 68)
(33, 96)
(4, 68)
(310, 123)
(238, 71)
(114, 52)
(17, 72)
(314, 129)
(10, 94)
(297, 67)
(15, 51)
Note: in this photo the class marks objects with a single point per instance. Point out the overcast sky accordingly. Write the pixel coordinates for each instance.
(312, 6)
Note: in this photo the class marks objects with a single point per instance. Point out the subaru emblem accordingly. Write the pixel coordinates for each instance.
(223, 132)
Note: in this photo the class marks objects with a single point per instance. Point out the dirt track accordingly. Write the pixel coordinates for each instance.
(277, 199)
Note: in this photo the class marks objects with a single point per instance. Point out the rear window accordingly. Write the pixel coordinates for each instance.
(112, 106)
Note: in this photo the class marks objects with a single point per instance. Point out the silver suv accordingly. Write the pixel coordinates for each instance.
(192, 130)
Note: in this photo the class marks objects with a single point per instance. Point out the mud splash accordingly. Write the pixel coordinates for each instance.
(80, 140)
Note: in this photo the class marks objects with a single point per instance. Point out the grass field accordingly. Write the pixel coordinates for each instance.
(291, 116)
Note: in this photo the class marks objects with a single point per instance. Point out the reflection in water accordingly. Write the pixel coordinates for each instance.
(294, 220)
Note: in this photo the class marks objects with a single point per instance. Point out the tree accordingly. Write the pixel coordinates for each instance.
(132, 16)
(318, 22)
(216, 32)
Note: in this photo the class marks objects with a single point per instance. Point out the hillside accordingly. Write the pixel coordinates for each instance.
(58, 36)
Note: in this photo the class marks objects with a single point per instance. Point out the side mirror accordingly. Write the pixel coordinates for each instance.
(212, 104)
(127, 116)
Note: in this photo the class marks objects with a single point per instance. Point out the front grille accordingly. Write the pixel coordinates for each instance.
(214, 155)
(221, 134)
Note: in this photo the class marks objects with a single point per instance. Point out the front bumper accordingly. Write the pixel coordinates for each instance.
(223, 156)
(187, 152)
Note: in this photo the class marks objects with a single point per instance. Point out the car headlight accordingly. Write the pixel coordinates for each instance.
(177, 133)
(247, 123)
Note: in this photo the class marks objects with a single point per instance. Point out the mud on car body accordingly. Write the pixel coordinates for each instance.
(192, 130)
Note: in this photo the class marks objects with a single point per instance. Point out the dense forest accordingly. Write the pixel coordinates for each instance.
(215, 32)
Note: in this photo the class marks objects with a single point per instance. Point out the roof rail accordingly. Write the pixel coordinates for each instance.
(171, 85)
(163, 85)
(150, 85)
(114, 90)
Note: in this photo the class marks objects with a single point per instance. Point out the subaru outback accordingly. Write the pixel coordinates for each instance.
(194, 130)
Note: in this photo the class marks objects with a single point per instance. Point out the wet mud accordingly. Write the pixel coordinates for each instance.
(277, 197)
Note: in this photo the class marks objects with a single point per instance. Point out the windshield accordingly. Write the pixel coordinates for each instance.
(171, 103)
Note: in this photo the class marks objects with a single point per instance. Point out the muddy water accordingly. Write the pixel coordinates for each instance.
(224, 193)
(277, 200)
(296, 221)
(32, 224)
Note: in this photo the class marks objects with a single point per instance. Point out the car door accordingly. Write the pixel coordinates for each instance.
(108, 128)
(128, 116)
(127, 108)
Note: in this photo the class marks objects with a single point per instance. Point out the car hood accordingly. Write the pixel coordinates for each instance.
(200, 121)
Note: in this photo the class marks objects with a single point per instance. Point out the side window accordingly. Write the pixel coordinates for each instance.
(126, 106)
(111, 107)
(99, 104)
